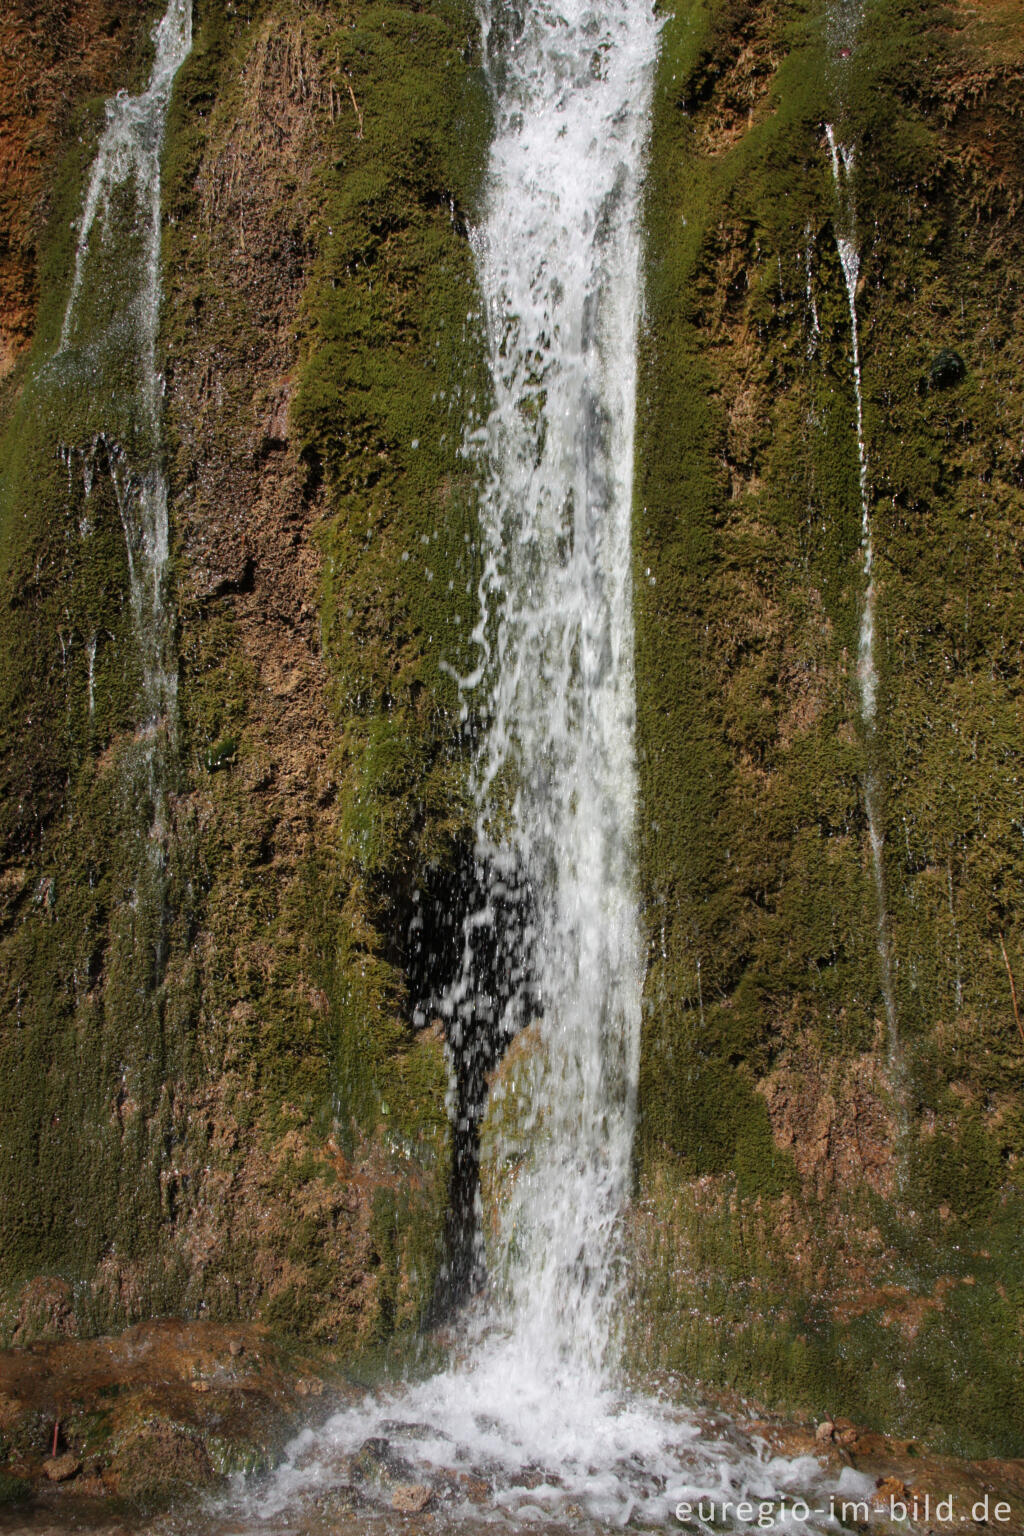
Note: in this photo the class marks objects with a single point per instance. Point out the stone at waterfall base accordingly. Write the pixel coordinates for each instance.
(412, 1498)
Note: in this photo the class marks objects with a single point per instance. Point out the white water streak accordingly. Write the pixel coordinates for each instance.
(128, 161)
(129, 152)
(90, 651)
(814, 333)
(843, 162)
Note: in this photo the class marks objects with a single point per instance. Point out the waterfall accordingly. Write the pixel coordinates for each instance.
(533, 1409)
(843, 163)
(558, 257)
(107, 359)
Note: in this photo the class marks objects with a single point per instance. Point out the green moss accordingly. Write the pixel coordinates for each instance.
(724, 1298)
(391, 372)
(180, 1009)
(14, 1490)
(755, 862)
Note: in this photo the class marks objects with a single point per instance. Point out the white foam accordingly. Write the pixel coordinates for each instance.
(572, 1450)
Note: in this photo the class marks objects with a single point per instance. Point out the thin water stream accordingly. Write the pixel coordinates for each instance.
(106, 359)
(843, 159)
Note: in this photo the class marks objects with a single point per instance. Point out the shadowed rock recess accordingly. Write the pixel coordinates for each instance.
(224, 1086)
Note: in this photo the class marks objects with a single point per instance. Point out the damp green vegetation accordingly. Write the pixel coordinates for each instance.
(207, 1029)
(758, 893)
(218, 1094)
(13, 1490)
(766, 1124)
(919, 1340)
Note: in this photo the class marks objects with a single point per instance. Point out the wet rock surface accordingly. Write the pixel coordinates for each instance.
(166, 1409)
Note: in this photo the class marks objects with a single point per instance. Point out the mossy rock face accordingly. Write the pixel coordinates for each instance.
(208, 1034)
(799, 1151)
(214, 1093)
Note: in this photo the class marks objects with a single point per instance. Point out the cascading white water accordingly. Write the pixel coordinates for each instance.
(109, 335)
(843, 162)
(559, 265)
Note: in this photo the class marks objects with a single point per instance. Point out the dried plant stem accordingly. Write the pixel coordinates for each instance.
(1013, 988)
(355, 104)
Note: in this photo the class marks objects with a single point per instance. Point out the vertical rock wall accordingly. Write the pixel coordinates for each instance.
(816, 1222)
(228, 1103)
(252, 1123)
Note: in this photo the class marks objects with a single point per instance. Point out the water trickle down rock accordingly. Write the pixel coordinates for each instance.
(843, 159)
(107, 354)
(106, 367)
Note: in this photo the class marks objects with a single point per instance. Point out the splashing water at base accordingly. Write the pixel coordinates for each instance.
(499, 1446)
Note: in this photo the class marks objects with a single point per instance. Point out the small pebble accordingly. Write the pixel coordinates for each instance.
(887, 1488)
